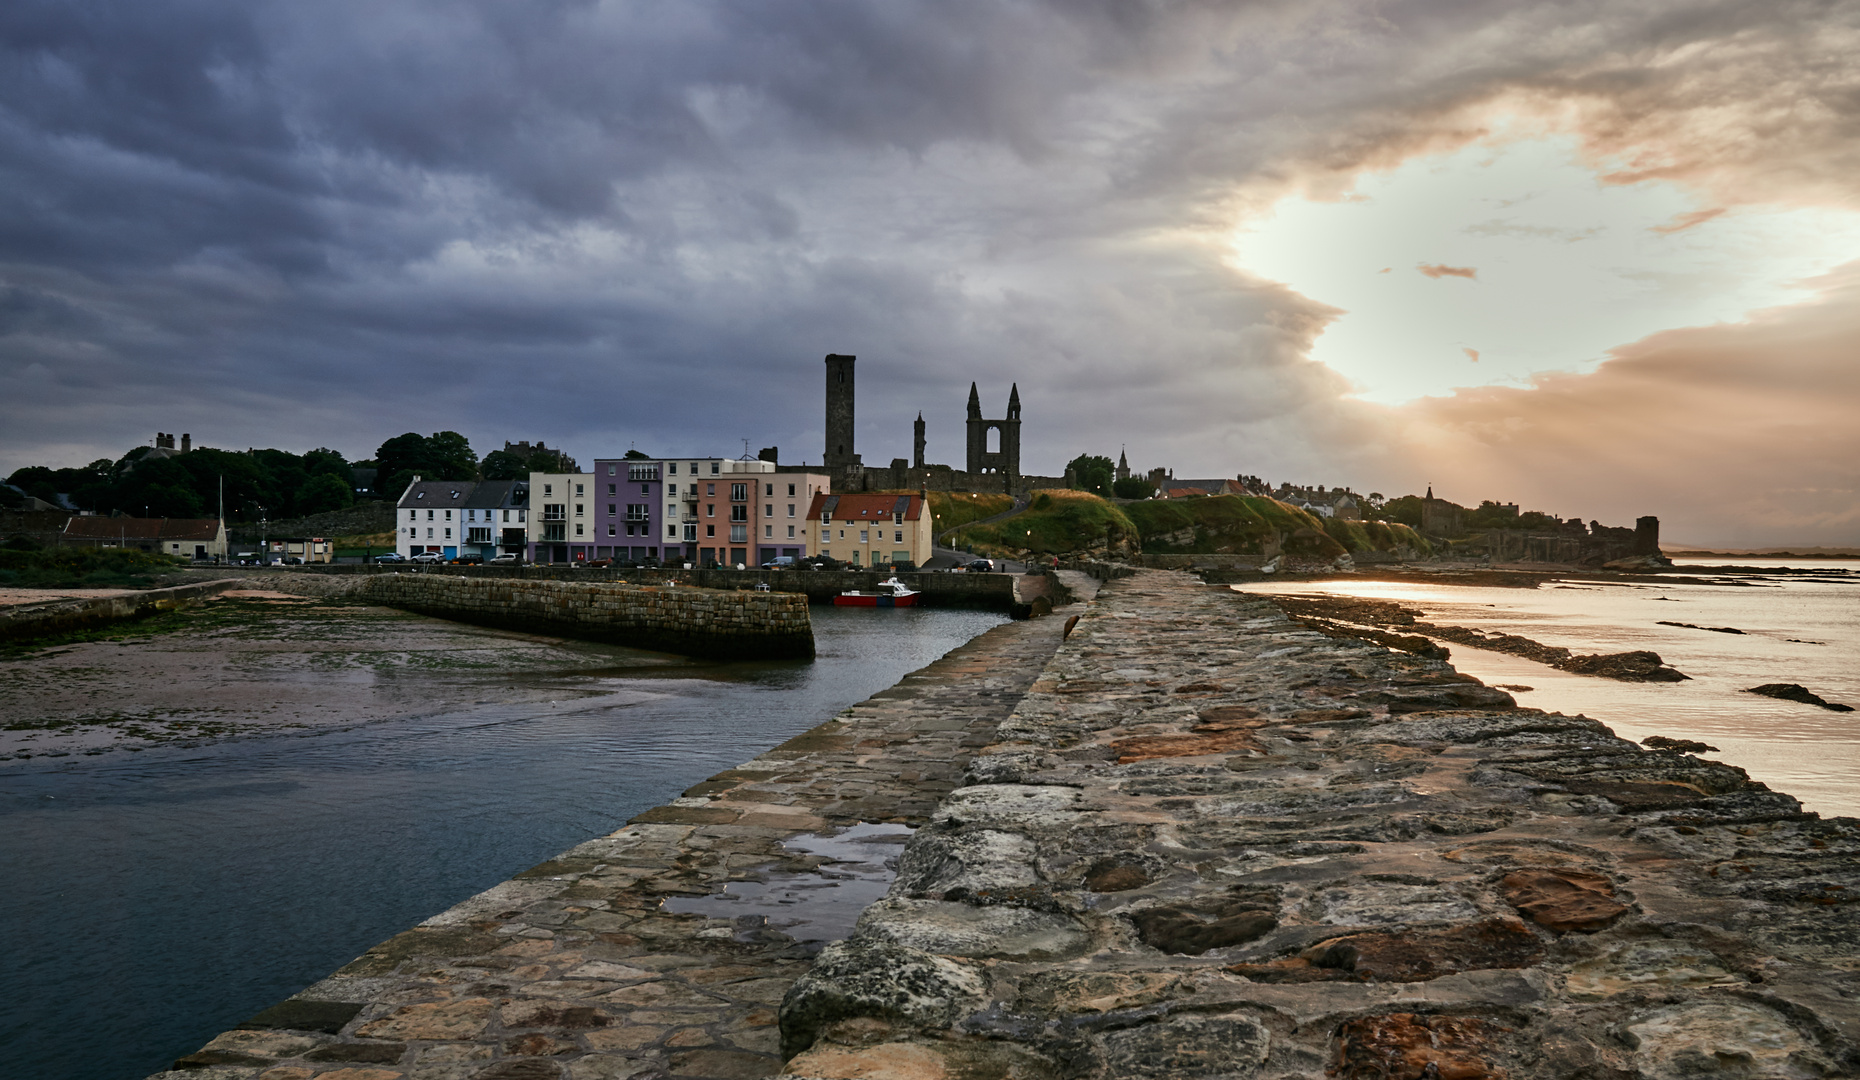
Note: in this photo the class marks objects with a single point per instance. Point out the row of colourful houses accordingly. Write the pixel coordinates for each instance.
(705, 511)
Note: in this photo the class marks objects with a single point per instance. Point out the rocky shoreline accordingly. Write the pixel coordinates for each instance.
(1192, 839)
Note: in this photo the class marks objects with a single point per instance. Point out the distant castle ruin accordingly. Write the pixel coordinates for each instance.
(993, 458)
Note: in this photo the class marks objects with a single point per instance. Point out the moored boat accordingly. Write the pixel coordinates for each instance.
(890, 593)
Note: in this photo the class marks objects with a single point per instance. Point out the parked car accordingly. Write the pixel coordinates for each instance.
(779, 562)
(597, 564)
(469, 560)
(649, 564)
(292, 560)
(428, 557)
(982, 566)
(508, 558)
(392, 556)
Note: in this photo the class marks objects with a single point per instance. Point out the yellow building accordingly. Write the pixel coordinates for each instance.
(869, 529)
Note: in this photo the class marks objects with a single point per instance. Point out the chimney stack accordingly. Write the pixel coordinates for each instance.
(187, 442)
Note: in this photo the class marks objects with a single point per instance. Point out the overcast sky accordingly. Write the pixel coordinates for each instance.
(1596, 258)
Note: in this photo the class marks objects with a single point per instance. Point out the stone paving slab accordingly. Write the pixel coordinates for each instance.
(1211, 843)
(574, 970)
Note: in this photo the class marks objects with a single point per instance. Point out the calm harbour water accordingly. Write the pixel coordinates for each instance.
(1796, 630)
(159, 898)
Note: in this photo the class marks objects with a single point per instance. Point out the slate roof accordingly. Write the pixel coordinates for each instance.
(437, 494)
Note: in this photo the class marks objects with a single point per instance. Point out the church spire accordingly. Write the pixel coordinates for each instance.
(1014, 402)
(975, 403)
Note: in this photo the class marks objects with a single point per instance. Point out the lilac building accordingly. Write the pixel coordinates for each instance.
(630, 511)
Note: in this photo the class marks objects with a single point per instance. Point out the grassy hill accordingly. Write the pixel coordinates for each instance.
(953, 509)
(1062, 522)
(1057, 522)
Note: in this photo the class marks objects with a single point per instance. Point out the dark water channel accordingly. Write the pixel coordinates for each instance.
(156, 899)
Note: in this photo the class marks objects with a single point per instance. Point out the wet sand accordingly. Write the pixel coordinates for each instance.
(258, 661)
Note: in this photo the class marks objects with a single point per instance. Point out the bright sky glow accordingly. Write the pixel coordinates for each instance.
(1501, 261)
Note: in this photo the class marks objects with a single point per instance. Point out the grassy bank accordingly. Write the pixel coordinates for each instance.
(67, 568)
(1055, 523)
(952, 510)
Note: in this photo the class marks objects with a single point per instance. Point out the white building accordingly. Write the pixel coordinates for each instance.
(430, 516)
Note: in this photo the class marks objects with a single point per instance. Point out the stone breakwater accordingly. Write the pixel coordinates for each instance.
(1197, 841)
(698, 622)
(574, 970)
(1209, 842)
(83, 612)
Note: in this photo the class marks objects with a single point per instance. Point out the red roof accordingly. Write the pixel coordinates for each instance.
(129, 528)
(867, 507)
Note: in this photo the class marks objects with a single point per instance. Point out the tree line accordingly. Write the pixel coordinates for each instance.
(270, 483)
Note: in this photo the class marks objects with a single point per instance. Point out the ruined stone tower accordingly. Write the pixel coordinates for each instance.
(917, 443)
(1005, 458)
(841, 460)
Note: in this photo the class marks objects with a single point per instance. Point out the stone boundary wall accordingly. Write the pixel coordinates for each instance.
(991, 592)
(696, 622)
(78, 613)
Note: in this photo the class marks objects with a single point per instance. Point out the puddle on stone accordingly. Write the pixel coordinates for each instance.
(819, 906)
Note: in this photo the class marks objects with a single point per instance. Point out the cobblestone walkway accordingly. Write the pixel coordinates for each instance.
(1211, 843)
(573, 969)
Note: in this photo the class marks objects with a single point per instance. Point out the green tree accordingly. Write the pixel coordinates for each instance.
(326, 462)
(325, 492)
(1132, 487)
(451, 456)
(635, 455)
(504, 465)
(1093, 473)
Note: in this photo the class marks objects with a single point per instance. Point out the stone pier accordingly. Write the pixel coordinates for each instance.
(1211, 843)
(1192, 839)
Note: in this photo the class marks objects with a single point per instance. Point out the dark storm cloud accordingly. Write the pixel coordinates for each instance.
(604, 223)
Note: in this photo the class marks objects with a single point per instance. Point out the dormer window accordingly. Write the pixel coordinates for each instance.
(420, 495)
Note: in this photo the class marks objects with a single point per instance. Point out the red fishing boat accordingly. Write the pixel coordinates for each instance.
(890, 593)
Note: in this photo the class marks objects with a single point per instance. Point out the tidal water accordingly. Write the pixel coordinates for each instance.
(156, 899)
(1795, 630)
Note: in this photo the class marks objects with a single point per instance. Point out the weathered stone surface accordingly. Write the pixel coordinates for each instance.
(1564, 899)
(1188, 1046)
(1407, 1046)
(1198, 926)
(863, 978)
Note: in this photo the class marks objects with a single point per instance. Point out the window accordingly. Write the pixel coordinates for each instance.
(769, 490)
(429, 534)
(610, 530)
(645, 489)
(739, 513)
(791, 491)
(429, 515)
(448, 515)
(448, 534)
(825, 516)
(506, 515)
(522, 516)
(671, 531)
(578, 528)
(610, 472)
(578, 509)
(671, 468)
(715, 468)
(610, 509)
(768, 509)
(790, 509)
(791, 532)
(671, 490)
(644, 472)
(739, 492)
(897, 519)
(710, 509)
(739, 534)
(710, 489)
(768, 531)
(898, 537)
(710, 530)
(637, 511)
(862, 537)
(548, 489)
(413, 515)
(578, 490)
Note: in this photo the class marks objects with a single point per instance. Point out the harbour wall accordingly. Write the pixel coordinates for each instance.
(1187, 839)
(64, 616)
(990, 592)
(697, 622)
